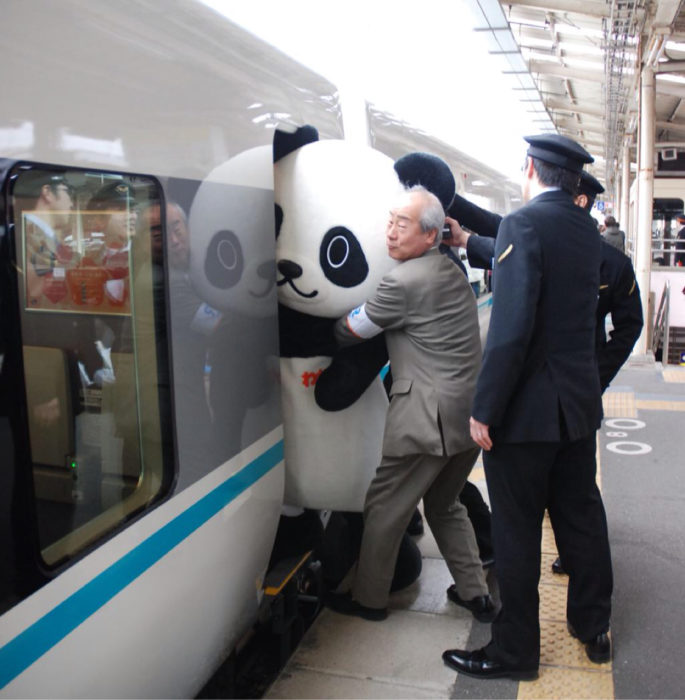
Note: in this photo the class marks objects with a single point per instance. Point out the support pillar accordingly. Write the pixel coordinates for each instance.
(643, 238)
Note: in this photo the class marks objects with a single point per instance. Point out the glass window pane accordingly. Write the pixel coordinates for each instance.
(665, 230)
(91, 290)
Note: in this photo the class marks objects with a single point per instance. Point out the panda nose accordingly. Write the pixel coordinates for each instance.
(289, 269)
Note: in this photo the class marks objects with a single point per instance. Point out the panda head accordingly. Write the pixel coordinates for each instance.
(332, 204)
(232, 235)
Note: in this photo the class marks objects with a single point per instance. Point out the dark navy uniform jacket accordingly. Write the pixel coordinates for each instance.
(619, 294)
(539, 369)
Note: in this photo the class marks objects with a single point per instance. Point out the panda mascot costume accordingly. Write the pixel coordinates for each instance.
(332, 203)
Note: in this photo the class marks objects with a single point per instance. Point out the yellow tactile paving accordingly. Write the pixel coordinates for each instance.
(656, 405)
(553, 600)
(548, 543)
(619, 404)
(559, 648)
(565, 670)
(674, 374)
(554, 682)
(546, 575)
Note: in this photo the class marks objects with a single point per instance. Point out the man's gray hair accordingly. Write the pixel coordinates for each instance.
(432, 214)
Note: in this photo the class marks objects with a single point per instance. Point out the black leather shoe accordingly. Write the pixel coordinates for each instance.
(481, 607)
(345, 604)
(598, 649)
(557, 568)
(476, 664)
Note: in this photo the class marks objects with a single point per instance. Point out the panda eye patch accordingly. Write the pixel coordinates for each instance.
(278, 216)
(338, 251)
(342, 259)
(224, 260)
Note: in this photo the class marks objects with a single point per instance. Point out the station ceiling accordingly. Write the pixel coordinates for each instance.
(577, 64)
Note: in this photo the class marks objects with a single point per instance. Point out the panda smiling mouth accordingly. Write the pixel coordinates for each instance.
(311, 295)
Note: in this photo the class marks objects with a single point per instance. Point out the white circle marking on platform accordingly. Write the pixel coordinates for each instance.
(625, 423)
(629, 448)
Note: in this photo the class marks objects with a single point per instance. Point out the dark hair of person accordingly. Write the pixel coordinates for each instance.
(553, 176)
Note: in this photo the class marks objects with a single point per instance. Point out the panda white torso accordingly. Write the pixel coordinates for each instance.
(331, 456)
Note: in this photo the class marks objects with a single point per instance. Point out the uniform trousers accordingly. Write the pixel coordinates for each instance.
(393, 495)
(523, 479)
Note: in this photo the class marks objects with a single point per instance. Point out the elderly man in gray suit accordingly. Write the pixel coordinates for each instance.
(428, 311)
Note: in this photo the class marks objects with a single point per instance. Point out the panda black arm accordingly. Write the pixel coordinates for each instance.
(350, 373)
(475, 218)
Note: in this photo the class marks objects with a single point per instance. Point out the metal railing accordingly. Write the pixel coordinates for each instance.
(661, 327)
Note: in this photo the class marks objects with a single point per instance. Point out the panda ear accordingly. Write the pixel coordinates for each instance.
(285, 143)
(431, 172)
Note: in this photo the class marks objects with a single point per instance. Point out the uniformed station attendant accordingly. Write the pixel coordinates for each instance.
(619, 294)
(535, 413)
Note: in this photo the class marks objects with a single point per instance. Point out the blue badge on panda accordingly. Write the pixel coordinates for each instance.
(206, 319)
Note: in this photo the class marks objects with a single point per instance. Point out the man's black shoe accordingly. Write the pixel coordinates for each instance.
(345, 604)
(557, 568)
(482, 607)
(598, 649)
(476, 664)
(415, 526)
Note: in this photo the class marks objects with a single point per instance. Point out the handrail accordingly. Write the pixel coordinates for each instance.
(661, 327)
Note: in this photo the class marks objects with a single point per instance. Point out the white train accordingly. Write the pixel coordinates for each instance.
(137, 517)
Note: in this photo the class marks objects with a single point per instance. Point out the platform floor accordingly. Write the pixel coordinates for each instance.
(642, 475)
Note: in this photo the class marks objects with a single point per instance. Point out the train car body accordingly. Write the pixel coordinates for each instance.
(135, 537)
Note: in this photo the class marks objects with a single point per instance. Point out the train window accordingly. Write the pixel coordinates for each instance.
(665, 230)
(91, 295)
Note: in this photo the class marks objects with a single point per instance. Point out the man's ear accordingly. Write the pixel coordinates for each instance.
(581, 200)
(431, 237)
(529, 167)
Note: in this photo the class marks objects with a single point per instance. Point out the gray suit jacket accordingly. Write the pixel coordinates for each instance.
(428, 312)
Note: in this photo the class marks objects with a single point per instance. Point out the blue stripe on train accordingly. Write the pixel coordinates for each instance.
(18, 654)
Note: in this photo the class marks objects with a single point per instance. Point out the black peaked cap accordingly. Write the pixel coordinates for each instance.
(558, 150)
(589, 185)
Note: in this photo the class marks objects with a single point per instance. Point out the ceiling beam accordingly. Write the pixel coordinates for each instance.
(580, 128)
(671, 126)
(663, 87)
(554, 69)
(591, 8)
(567, 106)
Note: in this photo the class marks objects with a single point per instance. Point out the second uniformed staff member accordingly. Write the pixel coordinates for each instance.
(619, 295)
(535, 413)
(428, 311)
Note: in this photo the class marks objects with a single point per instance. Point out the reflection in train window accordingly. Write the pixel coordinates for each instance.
(94, 346)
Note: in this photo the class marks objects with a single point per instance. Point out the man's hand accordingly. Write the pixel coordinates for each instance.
(480, 434)
(459, 236)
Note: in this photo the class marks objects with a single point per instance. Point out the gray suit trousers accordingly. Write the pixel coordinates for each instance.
(394, 493)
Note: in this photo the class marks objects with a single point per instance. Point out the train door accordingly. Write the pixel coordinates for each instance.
(85, 363)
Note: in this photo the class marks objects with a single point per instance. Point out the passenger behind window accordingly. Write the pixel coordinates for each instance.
(109, 226)
(48, 233)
